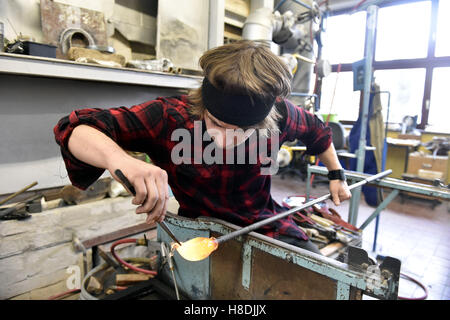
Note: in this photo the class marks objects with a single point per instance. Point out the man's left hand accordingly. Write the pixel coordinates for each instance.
(339, 191)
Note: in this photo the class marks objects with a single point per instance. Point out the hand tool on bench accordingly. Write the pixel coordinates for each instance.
(200, 248)
(130, 187)
(12, 211)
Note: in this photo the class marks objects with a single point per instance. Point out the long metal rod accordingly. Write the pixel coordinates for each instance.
(279, 216)
(380, 208)
(371, 25)
(392, 183)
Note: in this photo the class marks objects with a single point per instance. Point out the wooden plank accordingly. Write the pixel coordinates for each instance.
(331, 248)
(127, 279)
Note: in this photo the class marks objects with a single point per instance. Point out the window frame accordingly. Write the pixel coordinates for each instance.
(428, 63)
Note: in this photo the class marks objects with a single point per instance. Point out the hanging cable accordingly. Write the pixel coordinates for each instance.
(424, 288)
(63, 294)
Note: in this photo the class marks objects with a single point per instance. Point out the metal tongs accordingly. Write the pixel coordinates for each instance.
(130, 187)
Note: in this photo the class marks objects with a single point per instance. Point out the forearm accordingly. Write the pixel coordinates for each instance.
(329, 159)
(150, 182)
(94, 147)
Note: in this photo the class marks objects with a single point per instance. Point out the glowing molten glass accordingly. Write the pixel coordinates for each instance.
(196, 249)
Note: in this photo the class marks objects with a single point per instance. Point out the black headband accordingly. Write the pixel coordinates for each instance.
(236, 109)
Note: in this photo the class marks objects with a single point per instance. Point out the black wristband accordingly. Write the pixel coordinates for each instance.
(337, 175)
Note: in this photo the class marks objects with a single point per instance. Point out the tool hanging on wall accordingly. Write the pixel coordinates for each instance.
(200, 248)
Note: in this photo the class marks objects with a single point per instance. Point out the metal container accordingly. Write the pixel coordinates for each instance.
(39, 49)
(253, 266)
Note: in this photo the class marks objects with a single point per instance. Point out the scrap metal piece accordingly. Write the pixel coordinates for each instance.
(113, 263)
(94, 286)
(163, 64)
(390, 272)
(65, 39)
(57, 17)
(246, 265)
(98, 190)
(13, 212)
(151, 285)
(358, 257)
(78, 246)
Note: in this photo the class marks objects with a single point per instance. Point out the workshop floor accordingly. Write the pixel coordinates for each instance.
(413, 232)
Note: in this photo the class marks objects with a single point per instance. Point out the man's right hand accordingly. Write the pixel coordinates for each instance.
(150, 183)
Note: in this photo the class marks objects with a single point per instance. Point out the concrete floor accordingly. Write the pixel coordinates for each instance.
(411, 231)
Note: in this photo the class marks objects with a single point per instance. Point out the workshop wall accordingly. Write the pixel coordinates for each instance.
(181, 35)
(130, 25)
(182, 31)
(16, 10)
(29, 109)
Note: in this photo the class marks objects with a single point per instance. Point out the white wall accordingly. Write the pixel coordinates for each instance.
(182, 31)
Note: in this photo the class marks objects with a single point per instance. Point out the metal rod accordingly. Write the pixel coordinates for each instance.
(169, 232)
(371, 25)
(130, 187)
(18, 192)
(261, 223)
(380, 208)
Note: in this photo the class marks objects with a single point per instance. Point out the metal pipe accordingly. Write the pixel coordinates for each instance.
(371, 26)
(261, 223)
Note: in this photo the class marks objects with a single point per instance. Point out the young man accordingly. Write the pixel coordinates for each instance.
(243, 89)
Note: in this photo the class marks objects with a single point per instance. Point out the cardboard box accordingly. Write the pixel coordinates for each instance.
(418, 161)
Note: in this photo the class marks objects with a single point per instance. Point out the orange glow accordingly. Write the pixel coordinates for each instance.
(196, 249)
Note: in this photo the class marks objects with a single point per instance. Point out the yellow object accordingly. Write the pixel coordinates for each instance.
(322, 221)
(196, 249)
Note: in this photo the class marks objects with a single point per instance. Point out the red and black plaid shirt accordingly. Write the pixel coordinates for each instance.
(237, 193)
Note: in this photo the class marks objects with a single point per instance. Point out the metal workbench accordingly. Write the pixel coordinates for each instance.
(396, 185)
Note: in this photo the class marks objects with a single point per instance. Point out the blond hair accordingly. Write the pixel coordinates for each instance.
(244, 67)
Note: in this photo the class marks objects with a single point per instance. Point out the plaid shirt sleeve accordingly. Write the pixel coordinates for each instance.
(134, 129)
(300, 124)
